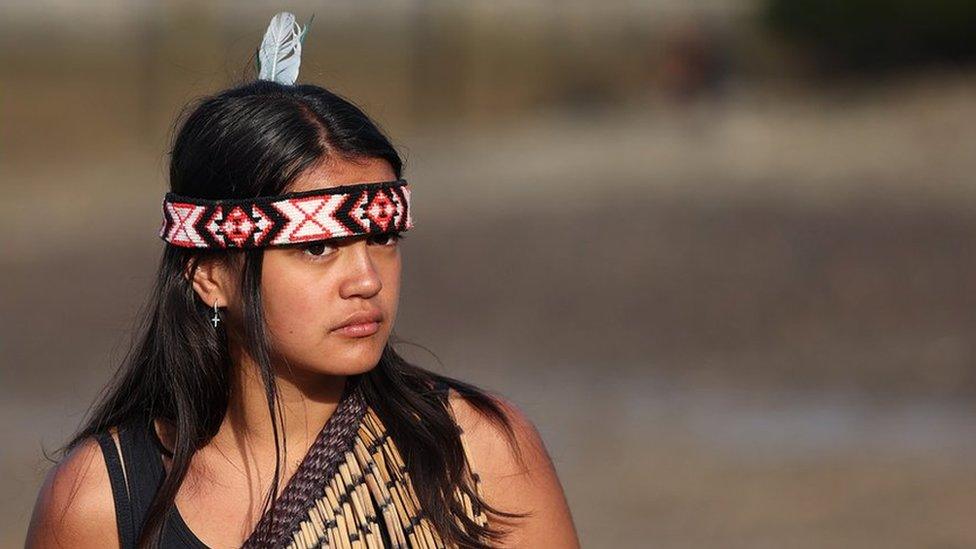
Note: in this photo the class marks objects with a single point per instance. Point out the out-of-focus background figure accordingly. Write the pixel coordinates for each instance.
(722, 253)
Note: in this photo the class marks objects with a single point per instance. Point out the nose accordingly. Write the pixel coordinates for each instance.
(361, 278)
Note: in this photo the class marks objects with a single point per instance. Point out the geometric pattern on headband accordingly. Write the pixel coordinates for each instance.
(290, 218)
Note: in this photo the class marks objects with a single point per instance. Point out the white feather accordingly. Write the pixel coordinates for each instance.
(281, 50)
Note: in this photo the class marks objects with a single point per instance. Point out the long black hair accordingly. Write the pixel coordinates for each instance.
(254, 140)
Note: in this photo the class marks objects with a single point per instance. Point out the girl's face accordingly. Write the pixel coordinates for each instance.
(309, 290)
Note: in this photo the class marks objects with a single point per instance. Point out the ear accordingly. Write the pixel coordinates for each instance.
(211, 281)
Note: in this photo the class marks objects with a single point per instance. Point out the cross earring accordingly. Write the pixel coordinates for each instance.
(215, 318)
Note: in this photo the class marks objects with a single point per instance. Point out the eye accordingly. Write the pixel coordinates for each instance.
(318, 250)
(388, 239)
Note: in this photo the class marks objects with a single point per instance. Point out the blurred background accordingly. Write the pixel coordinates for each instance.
(719, 251)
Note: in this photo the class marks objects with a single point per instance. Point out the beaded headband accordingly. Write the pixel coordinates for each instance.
(289, 218)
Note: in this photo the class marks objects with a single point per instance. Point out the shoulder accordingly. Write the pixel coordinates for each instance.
(489, 443)
(74, 507)
(519, 478)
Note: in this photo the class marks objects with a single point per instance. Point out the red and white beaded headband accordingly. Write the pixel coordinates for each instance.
(290, 218)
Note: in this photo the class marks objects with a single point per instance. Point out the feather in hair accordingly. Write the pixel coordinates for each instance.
(280, 52)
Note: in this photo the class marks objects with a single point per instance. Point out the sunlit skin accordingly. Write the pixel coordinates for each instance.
(306, 292)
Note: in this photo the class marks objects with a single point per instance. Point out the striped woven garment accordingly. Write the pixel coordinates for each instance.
(360, 488)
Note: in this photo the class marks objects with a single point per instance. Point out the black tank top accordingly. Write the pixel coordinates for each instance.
(133, 490)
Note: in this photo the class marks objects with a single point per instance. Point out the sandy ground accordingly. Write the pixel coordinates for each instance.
(742, 325)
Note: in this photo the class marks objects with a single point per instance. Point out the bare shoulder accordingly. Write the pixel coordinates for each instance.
(74, 507)
(522, 479)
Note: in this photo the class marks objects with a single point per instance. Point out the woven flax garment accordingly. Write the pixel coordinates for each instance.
(372, 484)
(363, 494)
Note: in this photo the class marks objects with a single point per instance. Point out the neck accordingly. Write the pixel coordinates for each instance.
(305, 403)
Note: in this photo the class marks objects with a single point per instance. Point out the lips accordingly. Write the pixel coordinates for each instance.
(360, 317)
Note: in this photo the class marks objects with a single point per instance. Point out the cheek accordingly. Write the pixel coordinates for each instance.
(294, 310)
(391, 283)
(295, 304)
(389, 297)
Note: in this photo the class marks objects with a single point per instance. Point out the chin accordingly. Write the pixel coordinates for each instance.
(359, 368)
(344, 368)
(359, 363)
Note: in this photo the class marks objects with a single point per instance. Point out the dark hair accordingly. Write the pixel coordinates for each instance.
(255, 140)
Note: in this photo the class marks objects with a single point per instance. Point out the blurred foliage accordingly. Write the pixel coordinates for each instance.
(877, 35)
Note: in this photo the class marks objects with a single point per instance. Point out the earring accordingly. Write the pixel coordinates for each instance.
(215, 318)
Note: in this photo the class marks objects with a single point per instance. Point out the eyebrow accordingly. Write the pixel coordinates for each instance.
(339, 240)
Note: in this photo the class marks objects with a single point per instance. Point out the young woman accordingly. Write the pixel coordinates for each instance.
(262, 404)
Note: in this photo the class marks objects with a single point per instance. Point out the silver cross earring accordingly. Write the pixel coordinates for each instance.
(215, 318)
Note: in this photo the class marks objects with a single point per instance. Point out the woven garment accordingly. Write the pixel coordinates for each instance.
(361, 490)
(372, 485)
